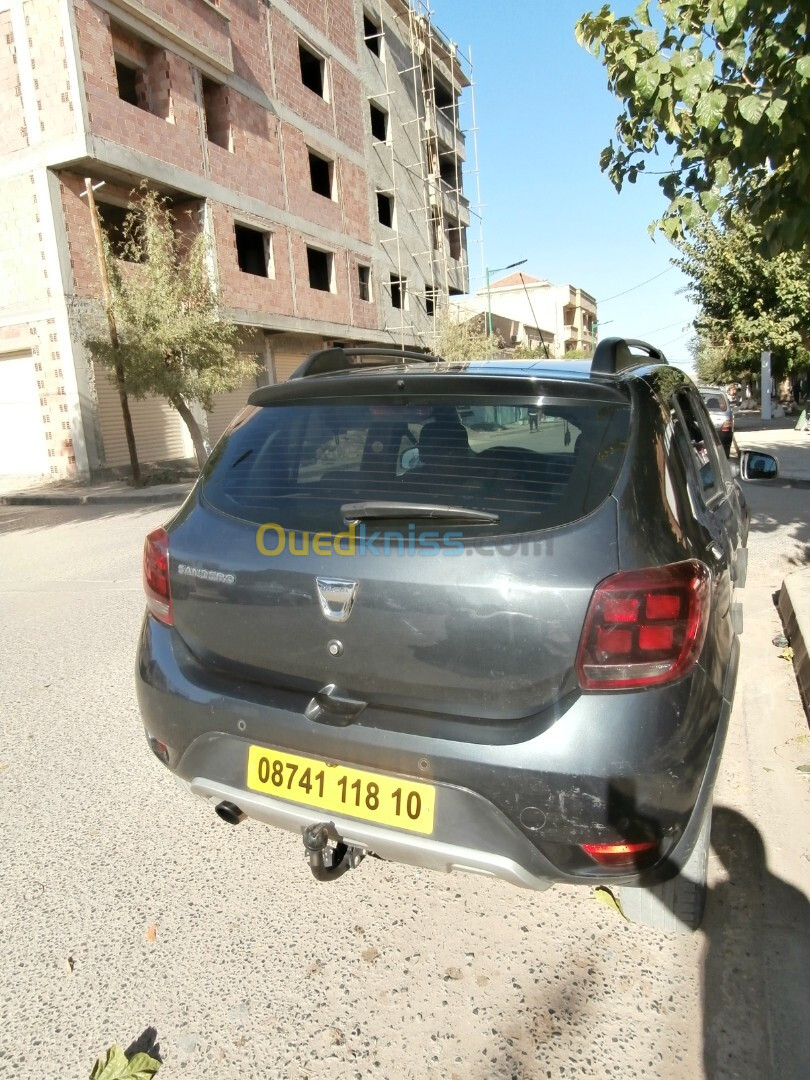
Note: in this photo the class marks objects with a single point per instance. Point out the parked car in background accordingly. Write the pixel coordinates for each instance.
(469, 616)
(719, 408)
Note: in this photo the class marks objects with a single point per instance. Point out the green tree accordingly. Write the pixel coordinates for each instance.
(173, 339)
(465, 340)
(747, 301)
(725, 84)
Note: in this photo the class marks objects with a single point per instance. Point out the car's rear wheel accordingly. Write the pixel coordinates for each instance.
(675, 906)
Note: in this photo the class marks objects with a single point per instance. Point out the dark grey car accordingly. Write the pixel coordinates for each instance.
(467, 616)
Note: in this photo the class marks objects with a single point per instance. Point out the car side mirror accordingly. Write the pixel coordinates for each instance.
(754, 465)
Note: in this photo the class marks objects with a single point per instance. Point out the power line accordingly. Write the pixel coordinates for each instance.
(634, 287)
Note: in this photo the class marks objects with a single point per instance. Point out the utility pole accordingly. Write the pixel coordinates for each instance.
(119, 367)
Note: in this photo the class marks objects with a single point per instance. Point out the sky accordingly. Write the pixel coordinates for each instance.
(543, 114)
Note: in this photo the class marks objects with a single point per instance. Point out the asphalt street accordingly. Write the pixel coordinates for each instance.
(129, 911)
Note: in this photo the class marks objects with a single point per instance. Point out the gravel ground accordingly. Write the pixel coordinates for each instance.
(127, 909)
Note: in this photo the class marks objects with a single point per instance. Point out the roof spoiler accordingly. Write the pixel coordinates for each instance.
(325, 361)
(613, 355)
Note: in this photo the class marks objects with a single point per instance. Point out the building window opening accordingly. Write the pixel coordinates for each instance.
(321, 176)
(364, 282)
(319, 264)
(449, 171)
(311, 70)
(385, 209)
(215, 108)
(435, 228)
(398, 291)
(252, 250)
(430, 300)
(443, 96)
(127, 76)
(379, 123)
(372, 35)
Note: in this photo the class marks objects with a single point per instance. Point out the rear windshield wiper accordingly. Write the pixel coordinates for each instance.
(378, 511)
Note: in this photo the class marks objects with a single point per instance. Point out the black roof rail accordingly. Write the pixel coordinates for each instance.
(338, 359)
(612, 355)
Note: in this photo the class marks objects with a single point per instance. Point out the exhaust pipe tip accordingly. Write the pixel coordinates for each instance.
(230, 812)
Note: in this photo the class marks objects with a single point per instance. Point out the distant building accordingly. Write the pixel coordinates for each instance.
(530, 312)
(318, 144)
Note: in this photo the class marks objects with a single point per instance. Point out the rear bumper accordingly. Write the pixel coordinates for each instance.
(517, 810)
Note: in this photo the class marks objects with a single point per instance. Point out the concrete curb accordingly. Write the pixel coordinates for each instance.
(134, 498)
(794, 610)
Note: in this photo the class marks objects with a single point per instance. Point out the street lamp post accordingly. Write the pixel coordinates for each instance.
(489, 273)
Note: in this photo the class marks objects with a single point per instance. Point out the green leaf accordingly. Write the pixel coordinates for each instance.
(643, 14)
(710, 201)
(604, 895)
(803, 67)
(115, 1066)
(110, 1067)
(140, 1067)
(647, 80)
(753, 107)
(775, 109)
(709, 109)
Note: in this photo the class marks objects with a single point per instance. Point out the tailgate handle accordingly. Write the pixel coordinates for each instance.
(329, 706)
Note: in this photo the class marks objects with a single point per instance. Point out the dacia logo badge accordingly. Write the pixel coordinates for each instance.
(336, 597)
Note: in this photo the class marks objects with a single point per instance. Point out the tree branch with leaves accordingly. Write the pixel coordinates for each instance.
(174, 341)
(725, 84)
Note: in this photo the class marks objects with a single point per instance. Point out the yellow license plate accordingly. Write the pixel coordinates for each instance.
(385, 800)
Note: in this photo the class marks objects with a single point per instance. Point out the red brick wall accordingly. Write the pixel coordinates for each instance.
(200, 21)
(365, 313)
(303, 201)
(289, 88)
(254, 167)
(251, 59)
(247, 291)
(176, 139)
(313, 303)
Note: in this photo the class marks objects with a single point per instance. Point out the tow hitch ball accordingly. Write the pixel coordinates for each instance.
(328, 863)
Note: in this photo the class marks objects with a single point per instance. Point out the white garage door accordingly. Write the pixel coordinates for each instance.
(22, 436)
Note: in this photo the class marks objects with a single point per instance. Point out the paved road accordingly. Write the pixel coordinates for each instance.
(125, 905)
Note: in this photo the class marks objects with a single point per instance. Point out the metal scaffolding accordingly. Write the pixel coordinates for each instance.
(443, 204)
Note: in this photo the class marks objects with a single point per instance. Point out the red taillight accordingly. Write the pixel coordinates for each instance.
(728, 425)
(619, 855)
(644, 627)
(156, 576)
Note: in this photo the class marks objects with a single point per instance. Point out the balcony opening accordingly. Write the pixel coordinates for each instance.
(140, 73)
(321, 175)
(364, 282)
(113, 219)
(430, 300)
(320, 265)
(312, 70)
(385, 209)
(399, 291)
(379, 122)
(216, 111)
(253, 251)
(372, 34)
(443, 96)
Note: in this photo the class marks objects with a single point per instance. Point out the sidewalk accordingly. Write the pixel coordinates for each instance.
(41, 491)
(777, 437)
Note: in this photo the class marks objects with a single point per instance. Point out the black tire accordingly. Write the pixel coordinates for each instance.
(675, 906)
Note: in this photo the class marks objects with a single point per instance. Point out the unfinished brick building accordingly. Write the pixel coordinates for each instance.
(317, 142)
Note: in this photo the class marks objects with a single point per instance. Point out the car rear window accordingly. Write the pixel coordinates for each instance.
(713, 399)
(532, 465)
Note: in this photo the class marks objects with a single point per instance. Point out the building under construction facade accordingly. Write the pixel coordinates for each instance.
(318, 144)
